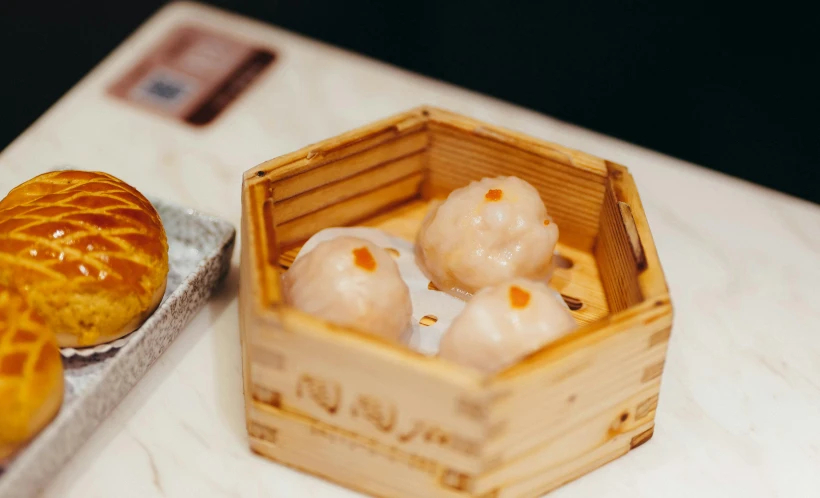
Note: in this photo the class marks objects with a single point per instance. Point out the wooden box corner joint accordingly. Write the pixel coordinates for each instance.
(422, 426)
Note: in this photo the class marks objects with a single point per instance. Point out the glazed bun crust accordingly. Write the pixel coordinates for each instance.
(31, 373)
(87, 251)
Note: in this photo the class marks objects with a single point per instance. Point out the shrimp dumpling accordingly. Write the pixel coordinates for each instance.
(483, 234)
(501, 324)
(353, 283)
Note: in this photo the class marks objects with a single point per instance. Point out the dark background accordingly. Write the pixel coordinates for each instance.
(731, 86)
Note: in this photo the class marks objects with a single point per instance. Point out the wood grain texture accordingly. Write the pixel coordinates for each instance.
(584, 383)
(543, 482)
(620, 273)
(380, 418)
(347, 458)
(584, 435)
(570, 183)
(581, 161)
(354, 209)
(288, 184)
(365, 385)
(651, 278)
(260, 249)
(249, 289)
(337, 148)
(333, 192)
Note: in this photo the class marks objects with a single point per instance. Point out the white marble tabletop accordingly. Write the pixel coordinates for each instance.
(739, 413)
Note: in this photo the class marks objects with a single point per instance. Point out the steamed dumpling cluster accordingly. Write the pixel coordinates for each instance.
(503, 323)
(494, 238)
(491, 243)
(488, 232)
(353, 283)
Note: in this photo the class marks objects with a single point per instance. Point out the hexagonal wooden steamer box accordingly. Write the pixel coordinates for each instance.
(385, 420)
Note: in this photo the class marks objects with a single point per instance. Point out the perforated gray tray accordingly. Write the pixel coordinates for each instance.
(200, 249)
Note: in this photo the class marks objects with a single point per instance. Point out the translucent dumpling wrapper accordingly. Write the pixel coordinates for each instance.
(353, 283)
(486, 233)
(502, 324)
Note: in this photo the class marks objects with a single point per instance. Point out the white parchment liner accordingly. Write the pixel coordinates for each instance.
(426, 302)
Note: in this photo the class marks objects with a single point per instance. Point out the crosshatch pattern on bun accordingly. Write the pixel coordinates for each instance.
(31, 373)
(87, 250)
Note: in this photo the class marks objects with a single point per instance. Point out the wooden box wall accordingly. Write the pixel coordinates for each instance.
(388, 421)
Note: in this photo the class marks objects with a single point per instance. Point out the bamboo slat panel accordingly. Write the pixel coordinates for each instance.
(381, 418)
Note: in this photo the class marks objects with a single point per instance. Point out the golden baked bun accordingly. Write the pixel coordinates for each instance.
(88, 252)
(31, 373)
